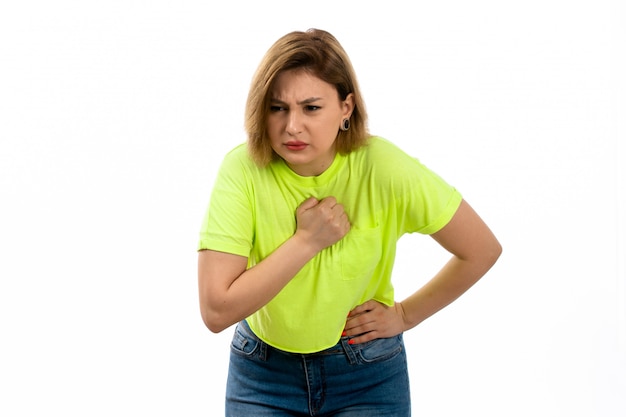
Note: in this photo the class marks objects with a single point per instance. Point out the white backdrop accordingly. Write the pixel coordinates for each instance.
(115, 115)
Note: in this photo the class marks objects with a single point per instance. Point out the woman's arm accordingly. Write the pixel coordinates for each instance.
(229, 292)
(474, 250)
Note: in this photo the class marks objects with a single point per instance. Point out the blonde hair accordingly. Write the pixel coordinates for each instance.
(318, 52)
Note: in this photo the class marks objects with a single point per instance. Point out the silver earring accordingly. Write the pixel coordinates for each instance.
(345, 124)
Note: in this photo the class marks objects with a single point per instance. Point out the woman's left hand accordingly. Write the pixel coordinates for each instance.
(373, 320)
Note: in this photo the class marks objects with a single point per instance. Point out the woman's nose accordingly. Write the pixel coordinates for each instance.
(294, 123)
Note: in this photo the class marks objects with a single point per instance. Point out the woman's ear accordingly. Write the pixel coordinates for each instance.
(348, 106)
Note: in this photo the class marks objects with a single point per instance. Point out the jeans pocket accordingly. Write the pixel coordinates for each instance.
(379, 350)
(244, 341)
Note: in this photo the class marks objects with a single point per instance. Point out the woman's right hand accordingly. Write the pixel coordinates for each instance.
(321, 222)
(230, 291)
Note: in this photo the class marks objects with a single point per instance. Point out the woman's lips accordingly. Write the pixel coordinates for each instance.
(295, 146)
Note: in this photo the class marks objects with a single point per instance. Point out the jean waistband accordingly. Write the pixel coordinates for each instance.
(341, 348)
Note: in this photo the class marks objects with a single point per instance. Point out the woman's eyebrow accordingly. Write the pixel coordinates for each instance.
(305, 101)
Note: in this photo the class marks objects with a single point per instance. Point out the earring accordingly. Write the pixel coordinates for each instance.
(345, 125)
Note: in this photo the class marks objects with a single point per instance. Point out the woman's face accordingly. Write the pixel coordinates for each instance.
(304, 120)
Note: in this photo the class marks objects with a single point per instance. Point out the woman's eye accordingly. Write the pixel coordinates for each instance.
(312, 108)
(276, 108)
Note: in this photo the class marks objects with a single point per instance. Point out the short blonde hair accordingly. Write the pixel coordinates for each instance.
(320, 53)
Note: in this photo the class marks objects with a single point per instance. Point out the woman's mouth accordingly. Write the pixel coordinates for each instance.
(295, 145)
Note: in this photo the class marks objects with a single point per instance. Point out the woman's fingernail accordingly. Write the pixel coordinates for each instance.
(343, 333)
(351, 341)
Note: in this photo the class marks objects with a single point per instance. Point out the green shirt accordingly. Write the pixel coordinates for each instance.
(385, 193)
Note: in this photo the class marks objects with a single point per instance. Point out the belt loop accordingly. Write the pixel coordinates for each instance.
(262, 350)
(348, 350)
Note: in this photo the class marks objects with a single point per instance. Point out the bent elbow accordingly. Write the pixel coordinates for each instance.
(493, 252)
(496, 250)
(215, 322)
(215, 328)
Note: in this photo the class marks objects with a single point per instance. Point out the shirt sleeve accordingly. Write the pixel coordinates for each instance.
(228, 222)
(423, 201)
(432, 203)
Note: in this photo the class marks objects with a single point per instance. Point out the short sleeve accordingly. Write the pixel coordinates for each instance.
(435, 204)
(422, 201)
(228, 222)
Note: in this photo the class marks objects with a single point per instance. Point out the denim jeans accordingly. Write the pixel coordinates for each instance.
(361, 380)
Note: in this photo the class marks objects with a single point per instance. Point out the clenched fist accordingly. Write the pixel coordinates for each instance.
(321, 222)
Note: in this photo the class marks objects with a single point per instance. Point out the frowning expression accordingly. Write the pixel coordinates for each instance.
(304, 119)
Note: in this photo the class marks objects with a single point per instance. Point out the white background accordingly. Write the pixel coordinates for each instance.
(115, 115)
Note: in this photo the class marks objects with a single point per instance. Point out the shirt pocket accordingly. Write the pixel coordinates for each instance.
(361, 250)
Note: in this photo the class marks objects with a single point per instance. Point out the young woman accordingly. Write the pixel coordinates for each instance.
(299, 240)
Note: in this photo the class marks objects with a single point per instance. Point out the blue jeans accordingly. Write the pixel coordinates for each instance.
(361, 380)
